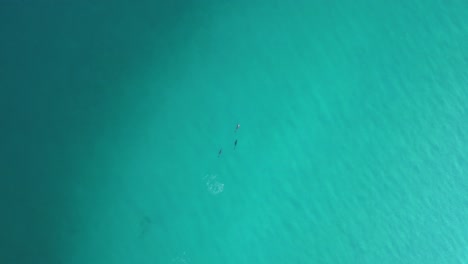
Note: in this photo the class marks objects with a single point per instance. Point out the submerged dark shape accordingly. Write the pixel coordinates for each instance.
(235, 143)
(145, 224)
(219, 153)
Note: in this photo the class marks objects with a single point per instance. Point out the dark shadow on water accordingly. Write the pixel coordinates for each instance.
(64, 78)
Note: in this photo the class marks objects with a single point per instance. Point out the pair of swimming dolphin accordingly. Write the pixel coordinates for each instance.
(235, 142)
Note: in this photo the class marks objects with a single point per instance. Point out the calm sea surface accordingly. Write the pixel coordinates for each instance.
(352, 146)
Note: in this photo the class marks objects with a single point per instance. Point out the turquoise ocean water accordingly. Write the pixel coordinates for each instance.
(352, 148)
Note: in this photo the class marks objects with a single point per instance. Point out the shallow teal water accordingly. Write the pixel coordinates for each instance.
(352, 146)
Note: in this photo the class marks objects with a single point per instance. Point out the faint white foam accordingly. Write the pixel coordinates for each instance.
(214, 186)
(181, 259)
